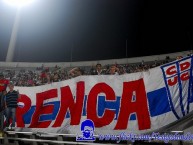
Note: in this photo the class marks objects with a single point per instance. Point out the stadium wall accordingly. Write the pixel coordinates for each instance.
(89, 63)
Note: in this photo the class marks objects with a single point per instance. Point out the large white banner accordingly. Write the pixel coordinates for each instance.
(137, 102)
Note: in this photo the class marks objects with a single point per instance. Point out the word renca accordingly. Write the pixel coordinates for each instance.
(132, 101)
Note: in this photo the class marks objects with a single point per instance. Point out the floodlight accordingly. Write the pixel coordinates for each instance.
(18, 3)
(12, 43)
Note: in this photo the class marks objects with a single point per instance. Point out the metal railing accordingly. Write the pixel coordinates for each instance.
(48, 138)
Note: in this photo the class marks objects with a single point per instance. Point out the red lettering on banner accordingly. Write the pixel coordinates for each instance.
(184, 66)
(75, 106)
(185, 76)
(41, 109)
(139, 106)
(21, 111)
(67, 102)
(172, 81)
(171, 70)
(108, 115)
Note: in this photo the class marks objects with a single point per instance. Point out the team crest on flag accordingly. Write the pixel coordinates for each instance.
(178, 81)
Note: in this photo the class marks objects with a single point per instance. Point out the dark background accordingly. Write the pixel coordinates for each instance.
(77, 30)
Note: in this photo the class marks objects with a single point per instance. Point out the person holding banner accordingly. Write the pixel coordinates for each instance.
(3, 86)
(11, 100)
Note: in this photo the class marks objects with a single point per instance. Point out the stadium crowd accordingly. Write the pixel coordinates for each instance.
(44, 75)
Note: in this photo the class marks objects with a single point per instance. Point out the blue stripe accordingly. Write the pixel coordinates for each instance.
(191, 97)
(191, 82)
(113, 105)
(28, 116)
(169, 94)
(158, 102)
(56, 109)
(84, 107)
(52, 116)
(190, 86)
(180, 89)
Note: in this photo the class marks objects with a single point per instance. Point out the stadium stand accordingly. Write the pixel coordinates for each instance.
(35, 74)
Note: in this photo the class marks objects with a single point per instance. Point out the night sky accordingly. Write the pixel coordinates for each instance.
(80, 30)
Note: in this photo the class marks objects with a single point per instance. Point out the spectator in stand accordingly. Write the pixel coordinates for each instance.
(113, 70)
(63, 75)
(167, 59)
(98, 70)
(75, 72)
(30, 82)
(179, 57)
(122, 70)
(3, 86)
(48, 78)
(56, 77)
(43, 77)
(3, 83)
(11, 99)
